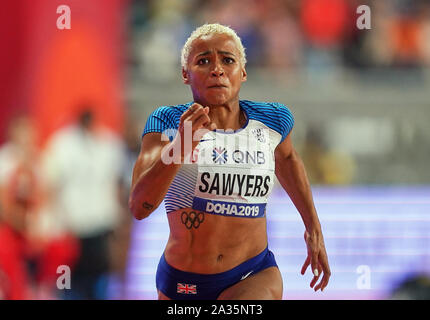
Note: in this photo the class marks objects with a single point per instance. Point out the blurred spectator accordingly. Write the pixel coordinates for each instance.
(424, 36)
(399, 34)
(28, 257)
(415, 287)
(162, 39)
(353, 53)
(83, 166)
(379, 44)
(282, 36)
(246, 23)
(406, 41)
(19, 188)
(120, 241)
(325, 166)
(289, 34)
(312, 151)
(324, 22)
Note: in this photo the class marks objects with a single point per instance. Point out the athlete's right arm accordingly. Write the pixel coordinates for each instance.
(151, 175)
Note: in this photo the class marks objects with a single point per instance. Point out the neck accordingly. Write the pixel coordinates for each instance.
(227, 116)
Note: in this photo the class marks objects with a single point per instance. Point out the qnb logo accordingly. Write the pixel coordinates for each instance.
(219, 155)
(255, 157)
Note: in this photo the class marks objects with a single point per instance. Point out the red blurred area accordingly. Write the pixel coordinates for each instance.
(406, 39)
(50, 72)
(324, 21)
(15, 251)
(11, 58)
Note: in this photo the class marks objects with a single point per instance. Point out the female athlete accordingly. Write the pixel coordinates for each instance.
(213, 162)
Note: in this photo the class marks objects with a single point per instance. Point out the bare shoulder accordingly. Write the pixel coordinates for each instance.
(284, 150)
(152, 144)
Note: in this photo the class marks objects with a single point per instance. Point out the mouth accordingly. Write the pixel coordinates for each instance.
(217, 86)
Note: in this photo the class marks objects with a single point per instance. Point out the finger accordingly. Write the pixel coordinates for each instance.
(326, 270)
(195, 106)
(315, 278)
(318, 286)
(189, 111)
(212, 126)
(326, 277)
(201, 121)
(197, 113)
(314, 263)
(305, 265)
(192, 118)
(194, 109)
(199, 133)
(313, 281)
(323, 283)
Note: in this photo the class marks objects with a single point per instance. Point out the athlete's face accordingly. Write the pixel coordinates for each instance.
(214, 72)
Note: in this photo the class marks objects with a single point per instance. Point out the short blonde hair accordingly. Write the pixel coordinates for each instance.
(208, 29)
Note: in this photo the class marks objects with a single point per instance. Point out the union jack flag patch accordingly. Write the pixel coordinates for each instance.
(187, 288)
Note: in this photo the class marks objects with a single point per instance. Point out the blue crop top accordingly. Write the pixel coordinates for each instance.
(231, 172)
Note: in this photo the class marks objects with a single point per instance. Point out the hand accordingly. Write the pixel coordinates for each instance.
(197, 119)
(317, 258)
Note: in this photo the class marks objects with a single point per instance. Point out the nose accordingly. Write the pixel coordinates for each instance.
(217, 70)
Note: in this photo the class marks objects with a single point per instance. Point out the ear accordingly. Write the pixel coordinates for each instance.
(244, 75)
(185, 77)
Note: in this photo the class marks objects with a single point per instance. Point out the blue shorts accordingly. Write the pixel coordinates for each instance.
(181, 285)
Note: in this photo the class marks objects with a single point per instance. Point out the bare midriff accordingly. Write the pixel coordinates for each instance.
(208, 243)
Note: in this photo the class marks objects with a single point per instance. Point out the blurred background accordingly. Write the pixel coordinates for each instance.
(73, 104)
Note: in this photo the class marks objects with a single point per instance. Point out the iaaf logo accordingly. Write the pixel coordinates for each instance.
(219, 155)
(259, 134)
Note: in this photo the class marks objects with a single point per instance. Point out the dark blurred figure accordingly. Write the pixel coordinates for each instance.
(246, 24)
(29, 257)
(120, 242)
(406, 39)
(353, 51)
(83, 165)
(413, 288)
(312, 151)
(325, 165)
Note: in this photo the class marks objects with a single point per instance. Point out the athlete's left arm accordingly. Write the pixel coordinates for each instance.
(291, 173)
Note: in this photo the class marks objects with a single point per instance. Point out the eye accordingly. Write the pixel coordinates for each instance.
(229, 60)
(203, 61)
